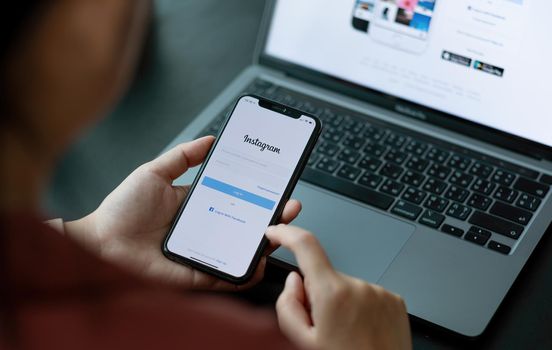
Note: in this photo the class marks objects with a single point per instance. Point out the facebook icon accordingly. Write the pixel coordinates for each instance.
(211, 209)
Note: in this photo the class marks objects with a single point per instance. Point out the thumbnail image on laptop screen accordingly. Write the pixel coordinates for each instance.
(487, 61)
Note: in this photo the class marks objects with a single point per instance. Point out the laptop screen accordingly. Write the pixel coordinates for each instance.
(487, 61)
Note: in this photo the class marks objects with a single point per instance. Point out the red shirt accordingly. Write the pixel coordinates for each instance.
(54, 294)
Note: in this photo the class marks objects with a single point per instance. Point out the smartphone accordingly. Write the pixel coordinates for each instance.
(242, 188)
(403, 24)
(363, 13)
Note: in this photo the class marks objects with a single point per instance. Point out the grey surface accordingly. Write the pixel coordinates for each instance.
(176, 83)
(357, 239)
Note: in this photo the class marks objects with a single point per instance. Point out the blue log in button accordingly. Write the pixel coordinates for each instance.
(238, 193)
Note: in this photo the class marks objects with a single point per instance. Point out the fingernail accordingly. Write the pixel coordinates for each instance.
(292, 278)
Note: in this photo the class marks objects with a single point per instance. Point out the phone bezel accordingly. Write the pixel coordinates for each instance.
(280, 109)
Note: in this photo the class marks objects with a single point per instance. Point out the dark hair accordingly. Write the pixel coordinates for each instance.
(16, 18)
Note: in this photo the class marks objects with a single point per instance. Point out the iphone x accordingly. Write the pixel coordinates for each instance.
(242, 188)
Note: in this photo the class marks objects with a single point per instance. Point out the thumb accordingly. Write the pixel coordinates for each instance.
(176, 161)
(181, 193)
(293, 317)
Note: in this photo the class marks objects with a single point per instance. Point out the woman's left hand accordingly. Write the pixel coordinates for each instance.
(131, 223)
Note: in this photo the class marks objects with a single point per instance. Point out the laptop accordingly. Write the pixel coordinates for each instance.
(432, 175)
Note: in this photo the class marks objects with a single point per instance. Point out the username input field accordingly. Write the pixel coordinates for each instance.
(238, 161)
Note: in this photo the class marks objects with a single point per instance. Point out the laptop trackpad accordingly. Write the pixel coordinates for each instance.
(358, 240)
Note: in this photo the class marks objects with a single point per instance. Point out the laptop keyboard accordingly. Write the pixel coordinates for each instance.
(414, 176)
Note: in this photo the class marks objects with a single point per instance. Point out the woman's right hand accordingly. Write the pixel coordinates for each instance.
(330, 310)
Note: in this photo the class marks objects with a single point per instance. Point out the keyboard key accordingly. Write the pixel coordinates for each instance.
(416, 147)
(458, 211)
(395, 140)
(505, 194)
(499, 247)
(349, 155)
(436, 203)
(458, 162)
(353, 126)
(460, 179)
(391, 170)
(531, 187)
(483, 186)
(438, 171)
(480, 231)
(370, 180)
(496, 224)
(479, 201)
(406, 210)
(438, 155)
(370, 163)
(481, 170)
(392, 187)
(336, 121)
(328, 165)
(476, 238)
(417, 164)
(503, 177)
(313, 159)
(396, 156)
(452, 230)
(432, 219)
(546, 179)
(354, 142)
(414, 195)
(413, 178)
(373, 133)
(511, 213)
(349, 172)
(328, 148)
(528, 202)
(348, 189)
(457, 194)
(434, 186)
(375, 150)
(333, 135)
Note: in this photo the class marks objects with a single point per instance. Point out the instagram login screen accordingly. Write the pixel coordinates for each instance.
(238, 192)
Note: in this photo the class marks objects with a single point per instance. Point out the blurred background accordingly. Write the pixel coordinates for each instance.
(195, 48)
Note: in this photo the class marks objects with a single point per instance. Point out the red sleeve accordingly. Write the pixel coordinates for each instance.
(57, 296)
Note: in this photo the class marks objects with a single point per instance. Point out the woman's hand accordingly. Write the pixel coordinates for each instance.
(129, 226)
(329, 310)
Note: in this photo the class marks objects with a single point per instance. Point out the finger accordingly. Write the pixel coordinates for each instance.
(293, 318)
(175, 162)
(310, 255)
(291, 210)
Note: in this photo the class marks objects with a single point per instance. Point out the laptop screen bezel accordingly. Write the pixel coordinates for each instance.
(394, 103)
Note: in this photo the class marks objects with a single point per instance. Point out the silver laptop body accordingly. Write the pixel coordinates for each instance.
(447, 280)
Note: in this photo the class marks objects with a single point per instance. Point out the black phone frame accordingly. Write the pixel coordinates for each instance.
(280, 109)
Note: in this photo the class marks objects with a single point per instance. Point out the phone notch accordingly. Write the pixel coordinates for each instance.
(279, 108)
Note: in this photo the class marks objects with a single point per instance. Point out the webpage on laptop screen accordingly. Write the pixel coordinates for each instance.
(487, 61)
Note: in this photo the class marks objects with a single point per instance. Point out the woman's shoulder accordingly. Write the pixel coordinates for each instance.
(65, 296)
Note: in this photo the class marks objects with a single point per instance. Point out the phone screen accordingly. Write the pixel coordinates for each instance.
(240, 188)
(410, 17)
